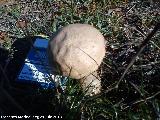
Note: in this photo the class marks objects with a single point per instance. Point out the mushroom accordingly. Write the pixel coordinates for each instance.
(77, 50)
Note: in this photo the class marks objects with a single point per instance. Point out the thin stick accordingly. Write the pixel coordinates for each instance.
(141, 48)
(143, 100)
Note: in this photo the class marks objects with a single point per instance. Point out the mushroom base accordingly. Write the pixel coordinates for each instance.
(91, 84)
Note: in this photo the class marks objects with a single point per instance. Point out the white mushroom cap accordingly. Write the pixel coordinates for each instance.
(78, 49)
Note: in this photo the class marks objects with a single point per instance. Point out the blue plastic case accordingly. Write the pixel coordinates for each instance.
(36, 68)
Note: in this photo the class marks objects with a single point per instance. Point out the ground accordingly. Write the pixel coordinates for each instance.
(124, 24)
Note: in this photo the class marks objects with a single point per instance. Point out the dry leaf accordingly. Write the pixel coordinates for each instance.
(7, 2)
(21, 24)
(3, 35)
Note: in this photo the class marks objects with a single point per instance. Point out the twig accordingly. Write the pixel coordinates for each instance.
(143, 100)
(136, 67)
(155, 45)
(137, 89)
(139, 31)
(144, 35)
(131, 8)
(141, 48)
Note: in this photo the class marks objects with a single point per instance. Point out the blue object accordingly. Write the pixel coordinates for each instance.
(41, 43)
(36, 68)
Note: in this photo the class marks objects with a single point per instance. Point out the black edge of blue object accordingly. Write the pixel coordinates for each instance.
(36, 69)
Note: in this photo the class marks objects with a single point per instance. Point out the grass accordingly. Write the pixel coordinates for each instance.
(124, 25)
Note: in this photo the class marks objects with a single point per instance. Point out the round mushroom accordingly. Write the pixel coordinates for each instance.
(77, 51)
